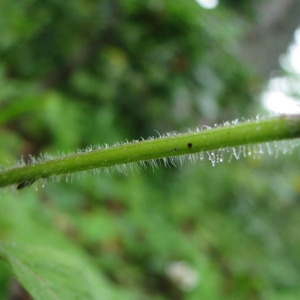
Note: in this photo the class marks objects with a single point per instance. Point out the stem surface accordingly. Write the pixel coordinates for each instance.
(259, 131)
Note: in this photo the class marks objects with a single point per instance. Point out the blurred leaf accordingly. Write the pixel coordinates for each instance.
(46, 263)
(50, 273)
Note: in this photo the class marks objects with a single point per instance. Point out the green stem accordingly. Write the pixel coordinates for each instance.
(279, 128)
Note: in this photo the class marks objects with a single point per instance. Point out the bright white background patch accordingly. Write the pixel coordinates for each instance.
(208, 4)
(293, 61)
(282, 95)
(278, 102)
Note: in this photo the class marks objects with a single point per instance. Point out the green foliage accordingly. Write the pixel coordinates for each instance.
(242, 7)
(75, 73)
(47, 271)
(52, 274)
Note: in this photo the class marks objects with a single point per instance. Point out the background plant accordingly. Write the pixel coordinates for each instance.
(76, 74)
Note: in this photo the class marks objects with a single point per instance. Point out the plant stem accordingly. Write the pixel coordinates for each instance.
(259, 131)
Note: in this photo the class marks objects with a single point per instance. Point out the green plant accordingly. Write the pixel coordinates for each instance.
(77, 73)
(232, 139)
(187, 146)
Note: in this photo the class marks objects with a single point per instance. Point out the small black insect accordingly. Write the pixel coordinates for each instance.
(25, 183)
(190, 145)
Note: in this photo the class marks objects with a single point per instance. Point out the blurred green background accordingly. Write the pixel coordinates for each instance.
(80, 73)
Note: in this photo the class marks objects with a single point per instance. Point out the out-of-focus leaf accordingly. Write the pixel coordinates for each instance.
(50, 273)
(29, 245)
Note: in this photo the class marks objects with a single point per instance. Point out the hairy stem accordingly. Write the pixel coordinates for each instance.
(259, 131)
